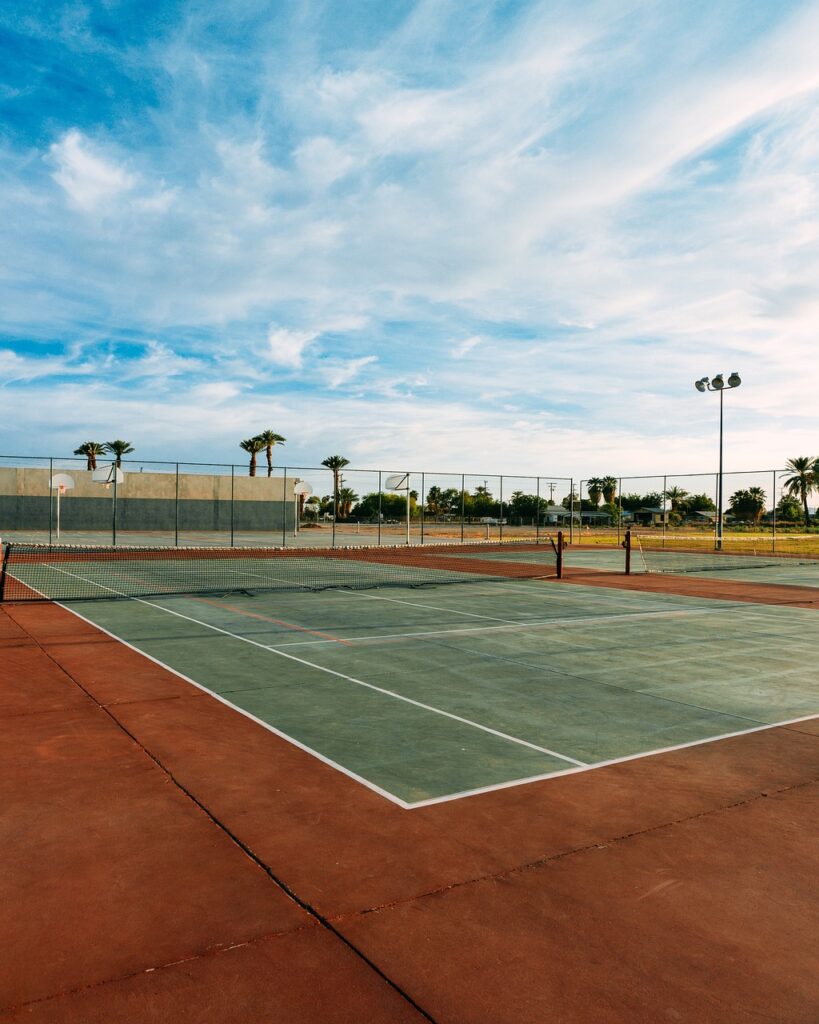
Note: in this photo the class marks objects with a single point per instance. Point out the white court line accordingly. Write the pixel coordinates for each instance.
(481, 630)
(560, 772)
(339, 675)
(247, 714)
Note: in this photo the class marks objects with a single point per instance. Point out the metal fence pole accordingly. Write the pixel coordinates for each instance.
(537, 511)
(619, 507)
(176, 511)
(665, 488)
(773, 535)
(500, 518)
(285, 504)
(114, 509)
(423, 506)
(50, 502)
(380, 515)
(571, 510)
(463, 505)
(232, 509)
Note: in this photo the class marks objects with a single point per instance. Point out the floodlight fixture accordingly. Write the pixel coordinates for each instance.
(718, 383)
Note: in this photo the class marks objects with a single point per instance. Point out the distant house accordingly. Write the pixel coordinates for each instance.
(651, 516)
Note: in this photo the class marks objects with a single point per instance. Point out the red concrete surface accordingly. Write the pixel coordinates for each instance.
(299, 977)
(115, 870)
(710, 921)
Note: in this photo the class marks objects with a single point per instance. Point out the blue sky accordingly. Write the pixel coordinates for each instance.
(449, 235)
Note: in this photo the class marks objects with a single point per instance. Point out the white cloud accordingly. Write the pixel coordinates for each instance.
(460, 349)
(342, 371)
(87, 177)
(286, 347)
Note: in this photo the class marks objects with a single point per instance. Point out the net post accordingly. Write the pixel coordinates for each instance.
(176, 511)
(559, 555)
(627, 546)
(6, 550)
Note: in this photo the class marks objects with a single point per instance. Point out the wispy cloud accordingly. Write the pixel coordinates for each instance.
(564, 213)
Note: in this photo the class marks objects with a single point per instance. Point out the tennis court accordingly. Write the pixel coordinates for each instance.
(406, 786)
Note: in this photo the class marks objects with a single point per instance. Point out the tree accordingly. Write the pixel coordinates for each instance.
(675, 495)
(609, 488)
(118, 449)
(346, 498)
(336, 463)
(269, 439)
(748, 505)
(90, 449)
(594, 489)
(788, 510)
(803, 480)
(253, 445)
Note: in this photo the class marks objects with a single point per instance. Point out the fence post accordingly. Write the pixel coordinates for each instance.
(463, 505)
(619, 507)
(285, 504)
(627, 544)
(176, 511)
(665, 488)
(379, 507)
(232, 510)
(423, 506)
(773, 536)
(559, 555)
(571, 509)
(537, 511)
(50, 501)
(114, 508)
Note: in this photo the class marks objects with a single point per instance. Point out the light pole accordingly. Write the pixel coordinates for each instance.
(718, 384)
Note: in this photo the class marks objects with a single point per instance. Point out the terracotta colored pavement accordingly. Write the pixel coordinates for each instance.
(154, 836)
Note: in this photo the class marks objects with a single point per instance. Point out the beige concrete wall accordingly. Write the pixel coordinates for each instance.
(192, 486)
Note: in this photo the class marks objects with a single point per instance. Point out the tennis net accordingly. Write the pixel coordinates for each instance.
(35, 572)
(690, 554)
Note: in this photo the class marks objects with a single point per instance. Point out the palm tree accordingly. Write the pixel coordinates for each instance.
(269, 439)
(118, 449)
(336, 463)
(594, 489)
(803, 481)
(90, 449)
(346, 497)
(675, 495)
(756, 498)
(253, 445)
(609, 487)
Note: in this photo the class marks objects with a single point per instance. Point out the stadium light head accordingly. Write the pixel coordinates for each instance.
(717, 383)
(734, 380)
(700, 384)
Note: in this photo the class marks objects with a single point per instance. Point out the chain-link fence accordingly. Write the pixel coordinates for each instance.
(92, 501)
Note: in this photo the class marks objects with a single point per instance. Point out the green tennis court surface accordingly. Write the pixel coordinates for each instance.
(429, 694)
